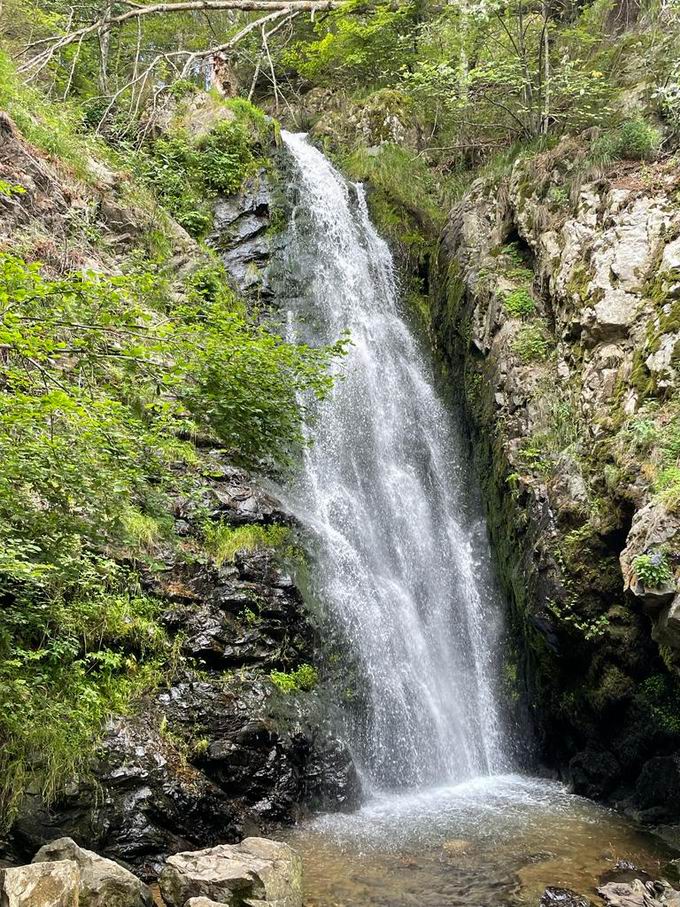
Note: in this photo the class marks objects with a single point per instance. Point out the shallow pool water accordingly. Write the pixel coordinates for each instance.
(488, 842)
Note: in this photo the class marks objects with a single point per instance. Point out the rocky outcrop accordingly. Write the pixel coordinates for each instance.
(217, 750)
(255, 872)
(555, 304)
(241, 234)
(639, 894)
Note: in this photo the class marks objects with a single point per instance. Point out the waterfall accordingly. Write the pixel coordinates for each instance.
(402, 561)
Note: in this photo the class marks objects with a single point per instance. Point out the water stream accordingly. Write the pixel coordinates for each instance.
(402, 559)
(403, 566)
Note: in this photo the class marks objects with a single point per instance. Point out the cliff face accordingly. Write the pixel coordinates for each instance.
(556, 304)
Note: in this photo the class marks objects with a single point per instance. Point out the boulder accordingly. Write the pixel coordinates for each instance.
(53, 884)
(563, 897)
(202, 902)
(103, 883)
(657, 790)
(639, 894)
(257, 872)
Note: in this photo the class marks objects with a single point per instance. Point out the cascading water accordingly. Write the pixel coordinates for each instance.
(403, 563)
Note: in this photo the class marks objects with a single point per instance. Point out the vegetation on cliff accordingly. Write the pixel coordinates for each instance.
(115, 364)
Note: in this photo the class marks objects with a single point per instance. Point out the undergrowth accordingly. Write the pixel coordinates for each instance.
(223, 542)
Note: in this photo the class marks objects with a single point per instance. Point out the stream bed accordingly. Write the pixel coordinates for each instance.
(490, 842)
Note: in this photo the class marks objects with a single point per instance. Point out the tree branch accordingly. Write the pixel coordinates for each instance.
(58, 42)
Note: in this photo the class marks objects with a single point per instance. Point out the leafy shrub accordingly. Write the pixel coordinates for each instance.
(519, 303)
(531, 343)
(652, 570)
(367, 47)
(660, 695)
(304, 678)
(634, 140)
(7, 190)
(96, 392)
(186, 173)
(224, 541)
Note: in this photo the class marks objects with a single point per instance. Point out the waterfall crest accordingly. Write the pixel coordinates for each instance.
(403, 563)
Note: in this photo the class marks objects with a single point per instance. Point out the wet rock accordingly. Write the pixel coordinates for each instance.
(667, 627)
(563, 897)
(103, 883)
(230, 494)
(657, 790)
(53, 884)
(639, 894)
(241, 236)
(456, 846)
(257, 870)
(568, 524)
(653, 529)
(594, 773)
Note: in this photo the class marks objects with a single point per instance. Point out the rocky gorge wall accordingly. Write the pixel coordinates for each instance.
(555, 305)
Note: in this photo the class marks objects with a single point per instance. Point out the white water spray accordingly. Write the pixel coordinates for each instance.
(403, 563)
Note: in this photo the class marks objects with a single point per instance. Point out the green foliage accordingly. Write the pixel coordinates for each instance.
(405, 184)
(652, 570)
(223, 542)
(187, 173)
(519, 303)
(358, 46)
(531, 343)
(302, 679)
(659, 696)
(567, 613)
(55, 128)
(7, 190)
(634, 140)
(100, 378)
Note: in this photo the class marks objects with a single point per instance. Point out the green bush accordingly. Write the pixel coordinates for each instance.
(224, 541)
(634, 140)
(519, 303)
(652, 570)
(100, 379)
(531, 343)
(303, 679)
(187, 173)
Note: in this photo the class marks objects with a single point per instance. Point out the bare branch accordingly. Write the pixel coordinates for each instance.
(59, 42)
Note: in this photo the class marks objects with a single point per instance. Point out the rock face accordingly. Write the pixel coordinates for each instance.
(219, 751)
(555, 304)
(103, 883)
(53, 884)
(255, 872)
(241, 235)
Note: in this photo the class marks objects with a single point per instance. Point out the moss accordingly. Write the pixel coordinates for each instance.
(612, 687)
(519, 303)
(660, 697)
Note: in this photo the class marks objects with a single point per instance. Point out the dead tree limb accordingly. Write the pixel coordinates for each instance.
(56, 43)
